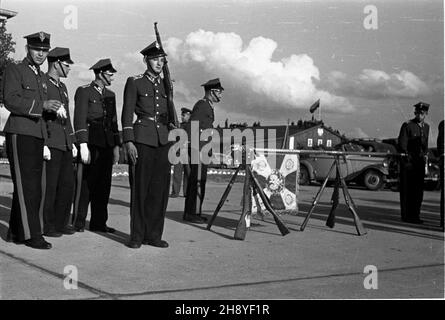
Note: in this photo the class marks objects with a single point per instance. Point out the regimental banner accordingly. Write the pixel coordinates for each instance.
(278, 177)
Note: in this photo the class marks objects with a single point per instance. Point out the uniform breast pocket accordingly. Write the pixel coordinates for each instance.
(29, 90)
(145, 95)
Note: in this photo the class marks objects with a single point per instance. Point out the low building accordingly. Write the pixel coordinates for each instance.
(318, 136)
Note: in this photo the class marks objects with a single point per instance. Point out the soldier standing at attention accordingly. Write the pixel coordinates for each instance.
(204, 114)
(181, 171)
(95, 125)
(59, 168)
(25, 96)
(413, 140)
(147, 146)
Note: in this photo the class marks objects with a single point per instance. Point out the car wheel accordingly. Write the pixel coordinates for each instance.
(373, 180)
(304, 176)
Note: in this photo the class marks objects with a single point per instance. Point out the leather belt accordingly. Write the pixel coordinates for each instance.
(147, 118)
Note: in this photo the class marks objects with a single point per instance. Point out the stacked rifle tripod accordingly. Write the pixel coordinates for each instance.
(252, 187)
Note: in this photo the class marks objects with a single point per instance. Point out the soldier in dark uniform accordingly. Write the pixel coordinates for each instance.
(59, 167)
(413, 140)
(204, 114)
(181, 171)
(25, 96)
(95, 125)
(147, 146)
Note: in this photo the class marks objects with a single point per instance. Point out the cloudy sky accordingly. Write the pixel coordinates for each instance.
(274, 58)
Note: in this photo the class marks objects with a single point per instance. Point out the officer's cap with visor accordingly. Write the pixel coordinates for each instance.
(153, 50)
(38, 41)
(186, 110)
(60, 54)
(421, 106)
(103, 65)
(213, 84)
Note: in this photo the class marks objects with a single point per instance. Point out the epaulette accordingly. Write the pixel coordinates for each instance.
(137, 77)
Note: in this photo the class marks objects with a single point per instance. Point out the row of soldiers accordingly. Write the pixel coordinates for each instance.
(39, 128)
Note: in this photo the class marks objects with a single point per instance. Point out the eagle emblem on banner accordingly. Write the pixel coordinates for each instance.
(278, 177)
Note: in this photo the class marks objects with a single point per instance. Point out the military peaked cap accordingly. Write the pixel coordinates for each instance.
(38, 40)
(60, 54)
(102, 66)
(213, 84)
(185, 110)
(422, 106)
(153, 50)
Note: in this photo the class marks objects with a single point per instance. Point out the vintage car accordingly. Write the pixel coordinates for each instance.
(370, 171)
(432, 174)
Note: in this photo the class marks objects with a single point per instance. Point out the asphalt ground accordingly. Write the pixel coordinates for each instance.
(318, 263)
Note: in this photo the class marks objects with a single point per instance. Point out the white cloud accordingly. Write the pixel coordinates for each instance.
(81, 72)
(289, 83)
(357, 133)
(377, 84)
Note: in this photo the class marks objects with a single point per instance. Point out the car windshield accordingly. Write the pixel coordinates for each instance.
(353, 147)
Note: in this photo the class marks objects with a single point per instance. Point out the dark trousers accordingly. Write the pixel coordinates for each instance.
(25, 155)
(180, 174)
(196, 188)
(412, 174)
(59, 189)
(150, 183)
(93, 186)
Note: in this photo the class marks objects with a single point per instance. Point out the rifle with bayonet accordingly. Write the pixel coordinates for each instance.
(172, 116)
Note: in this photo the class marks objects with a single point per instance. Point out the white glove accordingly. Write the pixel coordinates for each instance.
(84, 153)
(74, 151)
(61, 112)
(46, 153)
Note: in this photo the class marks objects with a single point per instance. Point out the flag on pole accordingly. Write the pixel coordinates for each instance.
(315, 106)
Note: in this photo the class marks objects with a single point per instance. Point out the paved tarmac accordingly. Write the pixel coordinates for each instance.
(319, 263)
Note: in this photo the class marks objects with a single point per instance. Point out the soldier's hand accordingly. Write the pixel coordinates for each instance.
(46, 153)
(85, 153)
(116, 155)
(74, 151)
(61, 112)
(51, 105)
(132, 152)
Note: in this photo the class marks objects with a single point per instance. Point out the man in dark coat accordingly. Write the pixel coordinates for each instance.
(58, 168)
(413, 141)
(147, 146)
(204, 114)
(95, 125)
(25, 96)
(181, 171)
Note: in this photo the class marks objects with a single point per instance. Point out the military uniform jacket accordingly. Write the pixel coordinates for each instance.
(203, 113)
(95, 119)
(60, 132)
(413, 139)
(24, 91)
(146, 97)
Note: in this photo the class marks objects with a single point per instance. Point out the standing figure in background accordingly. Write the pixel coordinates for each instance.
(59, 167)
(203, 113)
(147, 146)
(181, 171)
(25, 96)
(95, 125)
(413, 141)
